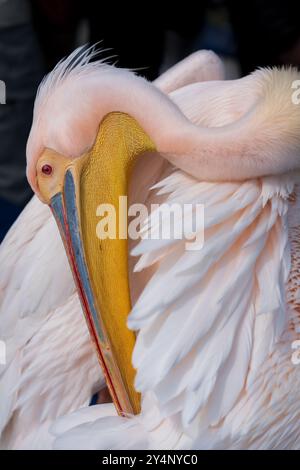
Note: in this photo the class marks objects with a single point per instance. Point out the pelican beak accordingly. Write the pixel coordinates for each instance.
(74, 191)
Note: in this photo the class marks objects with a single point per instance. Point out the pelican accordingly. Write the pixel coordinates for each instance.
(38, 302)
(196, 346)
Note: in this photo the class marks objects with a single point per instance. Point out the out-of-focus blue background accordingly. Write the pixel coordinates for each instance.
(36, 34)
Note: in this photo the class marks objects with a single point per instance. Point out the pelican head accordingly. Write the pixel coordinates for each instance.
(91, 122)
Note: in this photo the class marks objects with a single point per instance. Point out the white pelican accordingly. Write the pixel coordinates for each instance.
(51, 368)
(214, 327)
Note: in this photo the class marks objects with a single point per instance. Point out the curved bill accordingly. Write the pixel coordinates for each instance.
(99, 261)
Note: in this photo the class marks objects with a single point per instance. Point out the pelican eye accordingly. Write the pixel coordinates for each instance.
(47, 169)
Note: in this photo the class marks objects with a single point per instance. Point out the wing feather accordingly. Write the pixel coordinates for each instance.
(198, 343)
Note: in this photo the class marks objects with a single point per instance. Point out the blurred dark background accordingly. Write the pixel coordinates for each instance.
(36, 34)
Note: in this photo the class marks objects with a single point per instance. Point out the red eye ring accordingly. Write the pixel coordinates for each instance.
(47, 169)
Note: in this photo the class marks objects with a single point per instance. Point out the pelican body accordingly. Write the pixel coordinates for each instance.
(196, 347)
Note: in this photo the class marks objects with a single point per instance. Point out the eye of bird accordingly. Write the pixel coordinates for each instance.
(47, 169)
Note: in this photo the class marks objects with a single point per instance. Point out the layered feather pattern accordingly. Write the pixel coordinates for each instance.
(202, 324)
